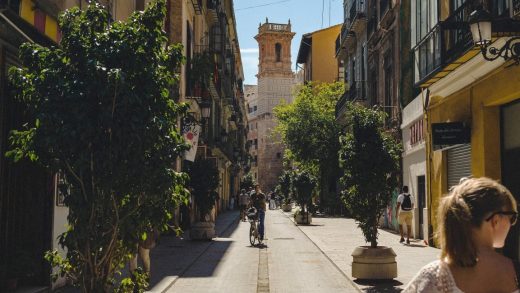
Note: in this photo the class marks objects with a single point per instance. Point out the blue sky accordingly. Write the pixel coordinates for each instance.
(305, 15)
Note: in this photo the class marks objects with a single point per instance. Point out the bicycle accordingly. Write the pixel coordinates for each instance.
(252, 217)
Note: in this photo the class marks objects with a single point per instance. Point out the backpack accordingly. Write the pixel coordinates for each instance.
(407, 203)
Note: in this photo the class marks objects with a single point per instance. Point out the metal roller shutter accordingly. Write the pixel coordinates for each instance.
(459, 164)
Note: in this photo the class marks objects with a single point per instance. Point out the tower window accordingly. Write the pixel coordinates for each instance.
(278, 50)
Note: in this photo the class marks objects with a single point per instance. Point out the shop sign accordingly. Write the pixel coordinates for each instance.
(445, 135)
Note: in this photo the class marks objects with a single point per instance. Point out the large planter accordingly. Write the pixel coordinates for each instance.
(303, 219)
(374, 263)
(202, 231)
(286, 207)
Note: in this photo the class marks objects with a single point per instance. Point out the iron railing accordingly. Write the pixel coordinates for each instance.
(384, 6)
(341, 103)
(445, 43)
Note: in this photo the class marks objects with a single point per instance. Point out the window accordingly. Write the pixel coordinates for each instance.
(362, 78)
(254, 108)
(278, 50)
(278, 155)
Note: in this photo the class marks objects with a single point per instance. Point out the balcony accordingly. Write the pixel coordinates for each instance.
(384, 7)
(446, 47)
(371, 26)
(197, 6)
(357, 16)
(212, 6)
(340, 105)
(345, 41)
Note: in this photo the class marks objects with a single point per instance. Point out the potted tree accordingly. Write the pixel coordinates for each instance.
(370, 158)
(304, 184)
(204, 180)
(284, 183)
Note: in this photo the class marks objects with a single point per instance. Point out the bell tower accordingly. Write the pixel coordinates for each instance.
(274, 44)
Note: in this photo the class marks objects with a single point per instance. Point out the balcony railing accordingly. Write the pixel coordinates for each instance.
(277, 27)
(14, 5)
(341, 103)
(371, 25)
(345, 36)
(445, 43)
(357, 14)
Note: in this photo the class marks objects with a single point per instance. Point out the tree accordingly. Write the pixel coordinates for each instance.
(309, 130)
(247, 181)
(304, 184)
(104, 116)
(370, 160)
(204, 179)
(284, 186)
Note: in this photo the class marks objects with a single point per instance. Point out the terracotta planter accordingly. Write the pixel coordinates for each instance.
(303, 219)
(202, 231)
(374, 263)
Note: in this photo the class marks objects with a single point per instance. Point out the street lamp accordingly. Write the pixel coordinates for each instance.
(205, 108)
(480, 22)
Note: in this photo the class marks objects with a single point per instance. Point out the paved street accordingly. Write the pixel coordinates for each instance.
(314, 258)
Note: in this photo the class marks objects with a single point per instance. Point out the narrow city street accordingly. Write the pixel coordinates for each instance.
(288, 262)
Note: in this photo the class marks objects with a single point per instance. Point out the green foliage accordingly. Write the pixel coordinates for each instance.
(370, 160)
(247, 181)
(201, 69)
(309, 130)
(304, 184)
(204, 179)
(284, 185)
(105, 118)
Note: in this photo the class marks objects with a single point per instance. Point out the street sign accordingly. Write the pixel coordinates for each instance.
(445, 135)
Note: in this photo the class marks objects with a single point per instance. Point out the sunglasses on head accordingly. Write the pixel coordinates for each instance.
(514, 216)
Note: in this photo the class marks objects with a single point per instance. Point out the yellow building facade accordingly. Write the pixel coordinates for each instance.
(461, 86)
(317, 55)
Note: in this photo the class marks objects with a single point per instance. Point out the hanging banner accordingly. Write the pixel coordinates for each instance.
(191, 134)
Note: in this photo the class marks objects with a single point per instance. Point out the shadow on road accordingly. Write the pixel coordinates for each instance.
(377, 286)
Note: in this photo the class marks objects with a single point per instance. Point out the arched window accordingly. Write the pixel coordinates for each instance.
(278, 50)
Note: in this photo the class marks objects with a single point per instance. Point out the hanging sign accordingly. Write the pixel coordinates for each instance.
(449, 134)
(191, 133)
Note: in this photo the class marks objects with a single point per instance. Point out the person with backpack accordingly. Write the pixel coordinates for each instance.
(404, 210)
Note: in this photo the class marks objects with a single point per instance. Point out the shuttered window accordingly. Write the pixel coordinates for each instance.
(459, 164)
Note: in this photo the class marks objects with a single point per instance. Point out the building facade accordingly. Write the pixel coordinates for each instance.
(317, 56)
(207, 29)
(275, 83)
(251, 96)
(463, 89)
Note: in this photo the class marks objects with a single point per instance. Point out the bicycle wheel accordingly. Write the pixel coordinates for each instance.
(252, 235)
(258, 237)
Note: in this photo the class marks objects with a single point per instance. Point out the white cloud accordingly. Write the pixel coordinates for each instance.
(249, 51)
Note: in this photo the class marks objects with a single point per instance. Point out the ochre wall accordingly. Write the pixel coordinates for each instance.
(478, 104)
(325, 64)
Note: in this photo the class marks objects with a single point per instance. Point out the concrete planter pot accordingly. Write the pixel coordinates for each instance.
(286, 207)
(303, 219)
(374, 263)
(202, 231)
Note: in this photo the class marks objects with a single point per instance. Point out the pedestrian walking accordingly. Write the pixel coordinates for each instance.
(474, 220)
(405, 203)
(272, 204)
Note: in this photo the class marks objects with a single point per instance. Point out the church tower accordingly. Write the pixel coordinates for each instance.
(275, 83)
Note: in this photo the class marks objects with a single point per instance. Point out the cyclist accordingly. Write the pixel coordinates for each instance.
(258, 201)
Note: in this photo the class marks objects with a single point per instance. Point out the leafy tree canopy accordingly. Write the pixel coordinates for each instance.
(370, 160)
(104, 116)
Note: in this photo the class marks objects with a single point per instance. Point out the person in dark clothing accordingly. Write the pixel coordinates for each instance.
(258, 200)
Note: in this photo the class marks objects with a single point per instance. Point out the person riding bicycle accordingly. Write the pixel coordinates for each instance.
(258, 200)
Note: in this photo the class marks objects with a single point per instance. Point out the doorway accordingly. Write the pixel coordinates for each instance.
(510, 123)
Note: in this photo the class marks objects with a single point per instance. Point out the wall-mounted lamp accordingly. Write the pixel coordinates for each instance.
(481, 24)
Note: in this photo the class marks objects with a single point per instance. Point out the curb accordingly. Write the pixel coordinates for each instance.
(168, 282)
(323, 252)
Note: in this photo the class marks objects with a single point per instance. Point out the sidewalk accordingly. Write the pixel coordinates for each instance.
(337, 238)
(174, 255)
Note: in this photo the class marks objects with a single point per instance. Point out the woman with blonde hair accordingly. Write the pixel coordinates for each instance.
(474, 219)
